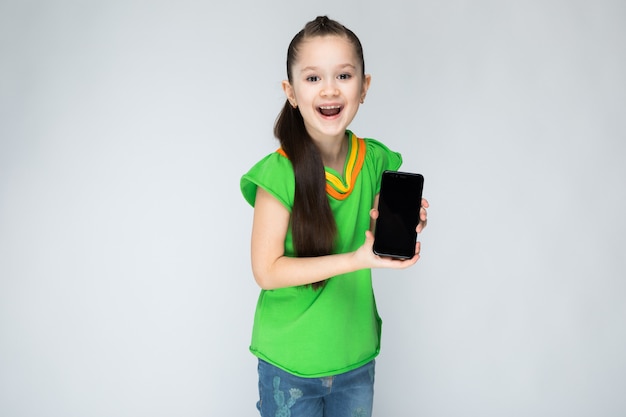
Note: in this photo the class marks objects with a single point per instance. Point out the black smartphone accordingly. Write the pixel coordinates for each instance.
(399, 205)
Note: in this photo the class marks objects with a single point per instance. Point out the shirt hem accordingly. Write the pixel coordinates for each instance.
(316, 374)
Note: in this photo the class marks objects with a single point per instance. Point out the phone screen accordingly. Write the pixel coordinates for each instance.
(399, 205)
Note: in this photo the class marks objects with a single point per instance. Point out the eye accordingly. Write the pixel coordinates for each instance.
(312, 78)
(345, 76)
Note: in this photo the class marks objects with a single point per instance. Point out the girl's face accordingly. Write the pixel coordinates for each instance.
(327, 85)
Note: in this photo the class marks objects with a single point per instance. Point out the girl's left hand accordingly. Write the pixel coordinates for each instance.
(423, 216)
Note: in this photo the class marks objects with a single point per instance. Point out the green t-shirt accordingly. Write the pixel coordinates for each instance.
(315, 333)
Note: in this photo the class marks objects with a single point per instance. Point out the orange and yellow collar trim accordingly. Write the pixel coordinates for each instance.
(335, 187)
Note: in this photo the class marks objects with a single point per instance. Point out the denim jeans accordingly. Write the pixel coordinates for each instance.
(345, 395)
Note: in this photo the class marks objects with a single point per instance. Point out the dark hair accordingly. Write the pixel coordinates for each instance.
(312, 222)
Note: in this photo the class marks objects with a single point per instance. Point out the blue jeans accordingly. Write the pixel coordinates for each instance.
(345, 395)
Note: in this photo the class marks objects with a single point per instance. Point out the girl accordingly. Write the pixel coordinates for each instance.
(316, 328)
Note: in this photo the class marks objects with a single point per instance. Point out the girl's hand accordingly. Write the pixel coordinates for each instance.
(365, 256)
(423, 216)
(366, 251)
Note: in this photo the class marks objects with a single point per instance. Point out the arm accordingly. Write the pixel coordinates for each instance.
(272, 269)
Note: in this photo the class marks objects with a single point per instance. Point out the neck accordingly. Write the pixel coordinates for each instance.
(334, 151)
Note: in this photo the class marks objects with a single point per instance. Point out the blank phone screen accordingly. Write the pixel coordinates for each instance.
(398, 206)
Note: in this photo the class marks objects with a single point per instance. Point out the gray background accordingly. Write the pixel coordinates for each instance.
(125, 286)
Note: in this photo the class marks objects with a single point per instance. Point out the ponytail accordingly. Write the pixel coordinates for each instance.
(312, 222)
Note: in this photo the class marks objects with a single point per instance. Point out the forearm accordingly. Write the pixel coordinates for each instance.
(290, 271)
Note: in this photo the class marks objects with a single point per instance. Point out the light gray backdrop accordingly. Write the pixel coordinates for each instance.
(125, 286)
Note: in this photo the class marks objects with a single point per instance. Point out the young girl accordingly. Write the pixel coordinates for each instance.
(316, 328)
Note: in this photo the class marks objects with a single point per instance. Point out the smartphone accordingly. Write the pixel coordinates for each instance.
(399, 205)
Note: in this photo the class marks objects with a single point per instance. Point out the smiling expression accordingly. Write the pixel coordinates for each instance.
(327, 85)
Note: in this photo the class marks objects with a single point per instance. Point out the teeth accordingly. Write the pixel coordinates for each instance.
(329, 107)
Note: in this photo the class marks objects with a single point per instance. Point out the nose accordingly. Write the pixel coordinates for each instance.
(329, 89)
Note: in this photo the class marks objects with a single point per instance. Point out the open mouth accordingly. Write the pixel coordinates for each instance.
(330, 110)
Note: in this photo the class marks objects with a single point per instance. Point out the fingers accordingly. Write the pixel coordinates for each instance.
(404, 263)
(421, 225)
(395, 263)
(423, 216)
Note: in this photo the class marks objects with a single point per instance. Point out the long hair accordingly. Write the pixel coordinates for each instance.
(313, 225)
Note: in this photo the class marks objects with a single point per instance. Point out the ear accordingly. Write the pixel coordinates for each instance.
(367, 79)
(289, 93)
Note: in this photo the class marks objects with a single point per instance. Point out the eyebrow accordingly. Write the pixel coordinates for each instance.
(314, 68)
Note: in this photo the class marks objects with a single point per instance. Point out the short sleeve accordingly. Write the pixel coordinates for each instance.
(274, 174)
(380, 158)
